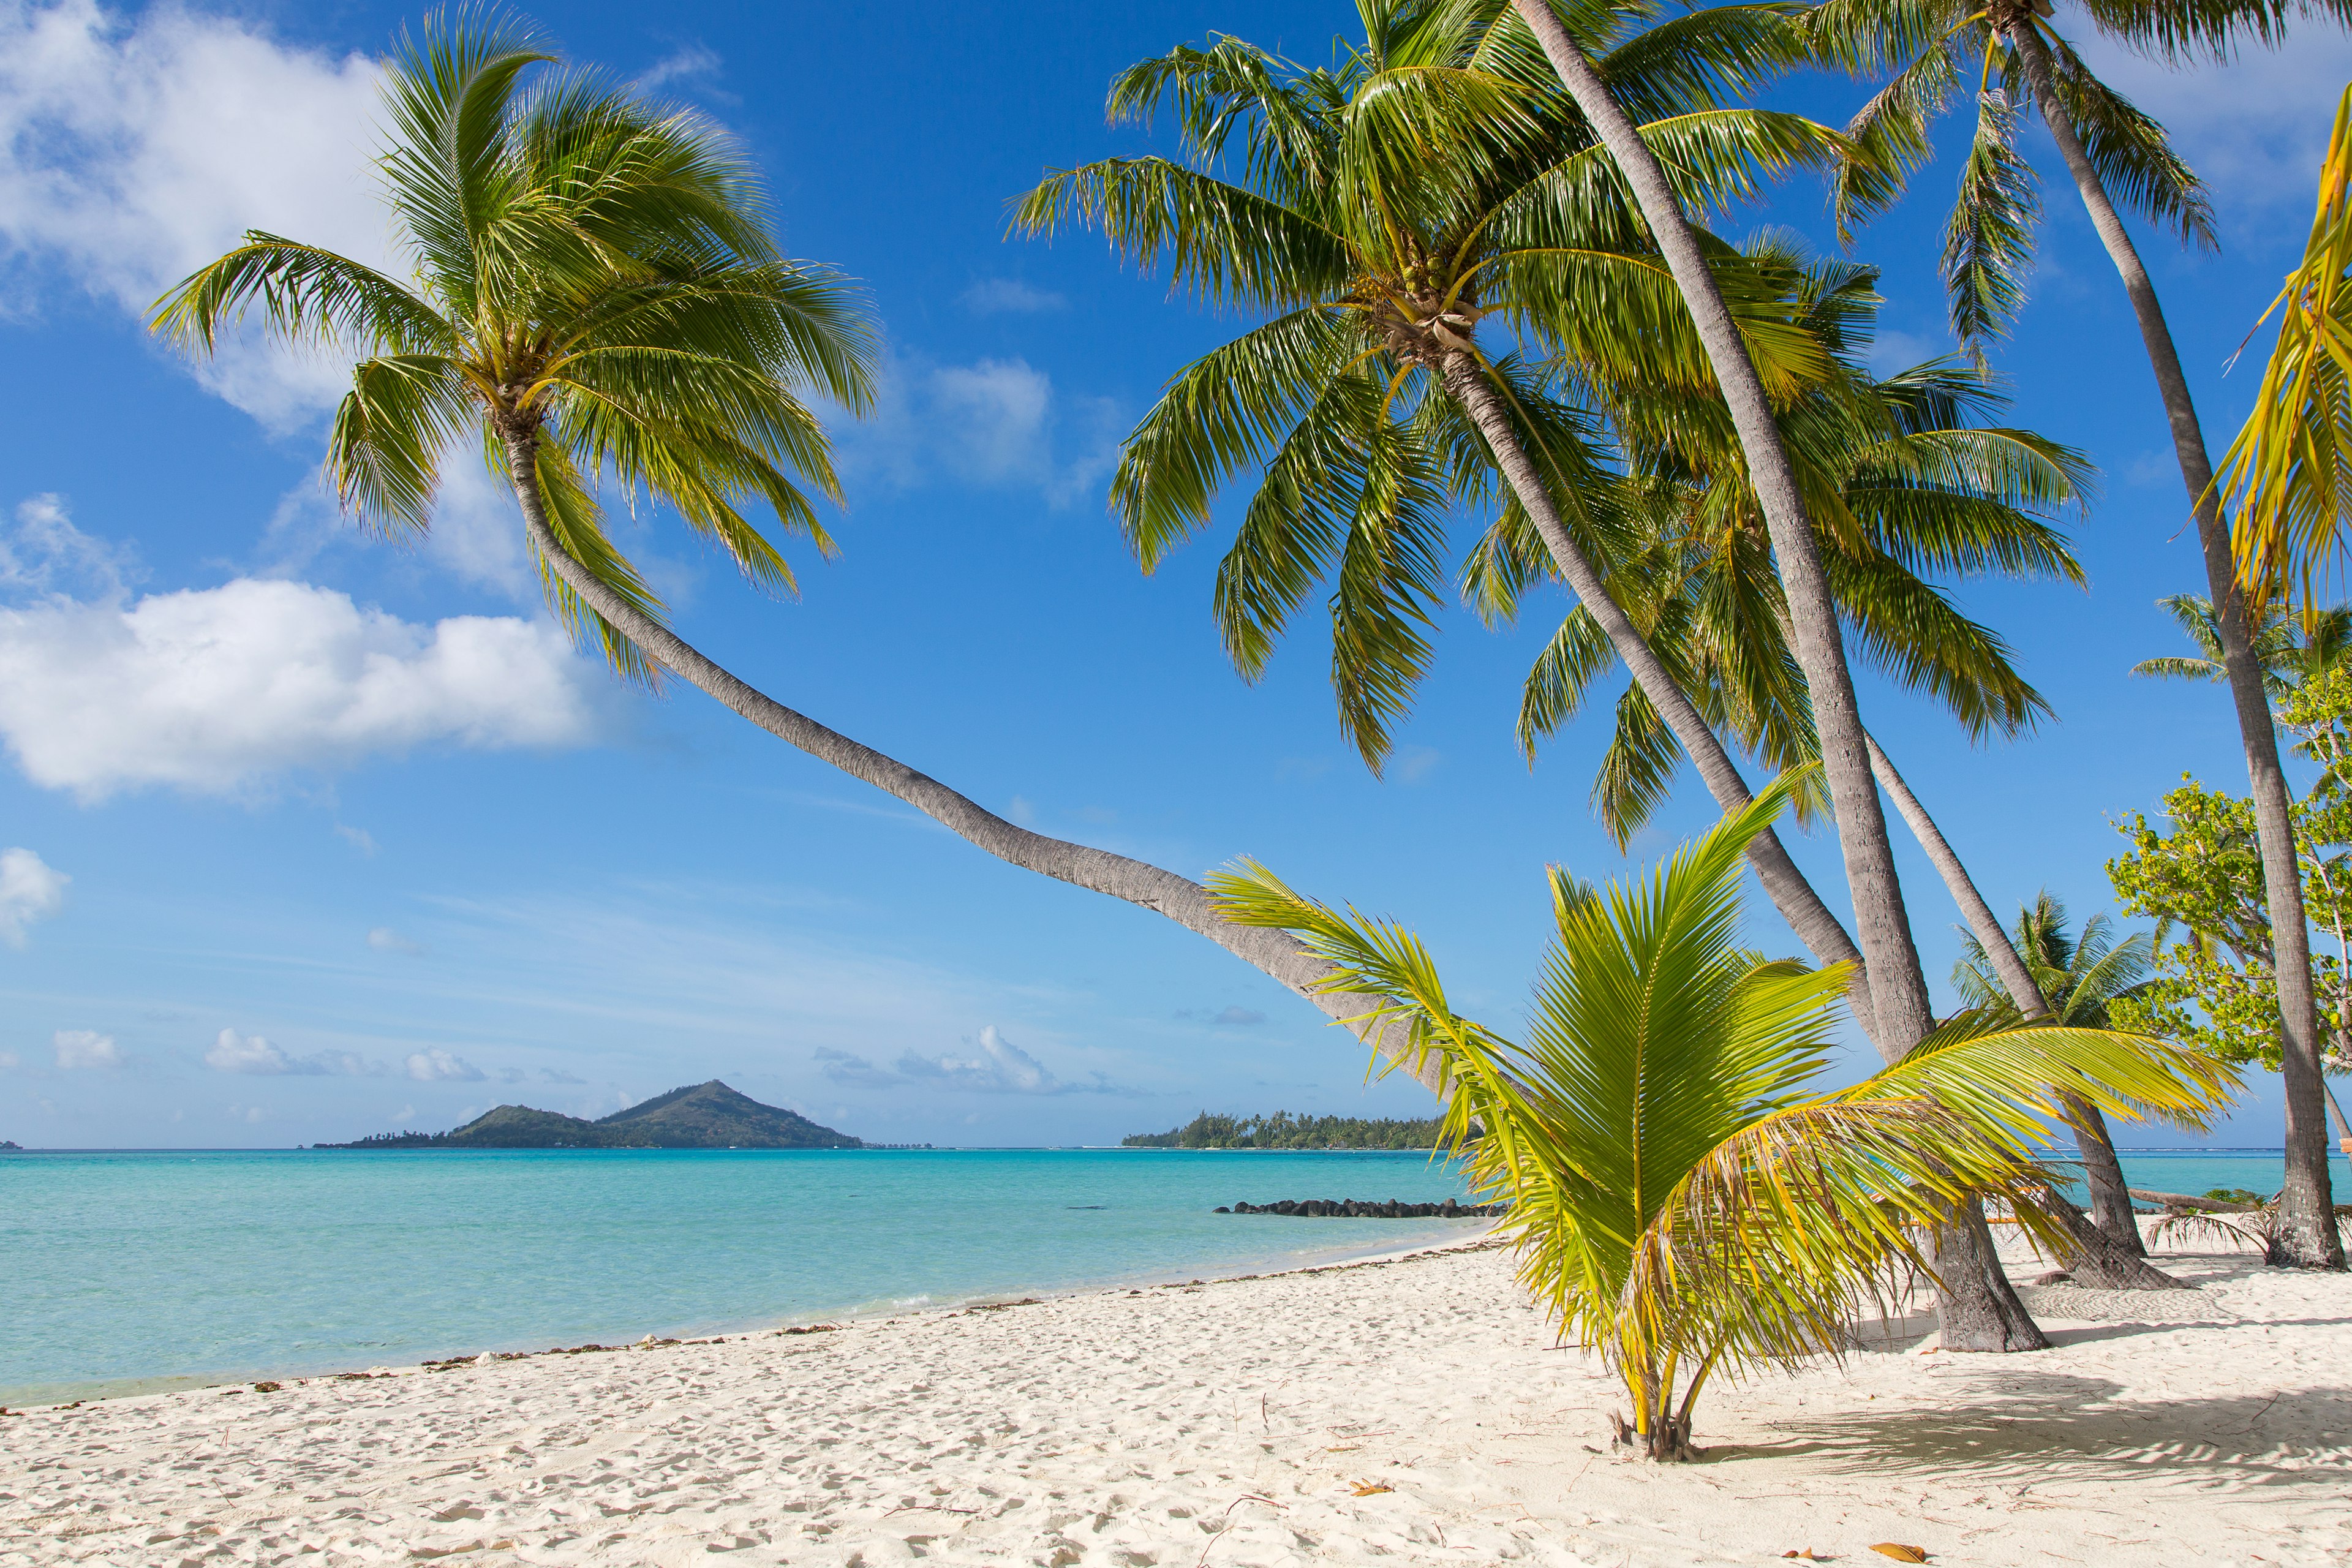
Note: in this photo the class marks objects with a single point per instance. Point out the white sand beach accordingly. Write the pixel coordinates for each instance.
(1410, 1411)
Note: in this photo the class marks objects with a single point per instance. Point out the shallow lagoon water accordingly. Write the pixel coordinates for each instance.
(125, 1270)
(128, 1270)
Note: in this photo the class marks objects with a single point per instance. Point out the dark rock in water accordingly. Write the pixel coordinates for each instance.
(1370, 1208)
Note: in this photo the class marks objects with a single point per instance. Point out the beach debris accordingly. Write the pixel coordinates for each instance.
(359, 1376)
(1003, 1306)
(268, 1388)
(1370, 1489)
(2055, 1277)
(812, 1329)
(1808, 1555)
(1900, 1553)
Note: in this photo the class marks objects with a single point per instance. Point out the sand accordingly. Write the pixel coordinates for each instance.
(1408, 1412)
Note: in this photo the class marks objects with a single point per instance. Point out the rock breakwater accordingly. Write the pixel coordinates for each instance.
(1368, 1208)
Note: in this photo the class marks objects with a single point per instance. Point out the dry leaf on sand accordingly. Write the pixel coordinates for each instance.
(1900, 1553)
(1368, 1488)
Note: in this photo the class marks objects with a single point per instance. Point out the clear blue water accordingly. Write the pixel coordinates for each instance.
(128, 1270)
(121, 1271)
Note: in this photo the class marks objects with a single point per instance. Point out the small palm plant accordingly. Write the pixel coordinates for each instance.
(1685, 1196)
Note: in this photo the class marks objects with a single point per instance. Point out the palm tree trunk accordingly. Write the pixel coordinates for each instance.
(2307, 1237)
(1978, 1310)
(1276, 954)
(1790, 893)
(2111, 1204)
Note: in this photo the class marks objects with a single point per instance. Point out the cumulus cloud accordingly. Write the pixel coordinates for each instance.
(2254, 130)
(846, 1066)
(8, 1059)
(438, 1066)
(30, 889)
(216, 690)
(996, 423)
(44, 553)
(86, 1048)
(132, 151)
(233, 1052)
(1010, 296)
(995, 1066)
(383, 939)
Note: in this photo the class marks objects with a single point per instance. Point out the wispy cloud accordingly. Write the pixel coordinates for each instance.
(86, 1048)
(998, 423)
(437, 1066)
(30, 889)
(1011, 297)
(694, 62)
(383, 939)
(233, 1052)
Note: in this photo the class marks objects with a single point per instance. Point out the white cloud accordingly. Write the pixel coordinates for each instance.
(1000, 1066)
(44, 553)
(30, 889)
(1416, 763)
(233, 1052)
(1010, 296)
(132, 151)
(358, 838)
(477, 534)
(688, 62)
(996, 423)
(2253, 130)
(383, 939)
(86, 1048)
(216, 690)
(436, 1065)
(8, 1059)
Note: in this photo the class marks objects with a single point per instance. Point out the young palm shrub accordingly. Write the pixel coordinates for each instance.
(1685, 1197)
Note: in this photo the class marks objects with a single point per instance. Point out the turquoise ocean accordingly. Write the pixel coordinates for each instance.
(123, 1271)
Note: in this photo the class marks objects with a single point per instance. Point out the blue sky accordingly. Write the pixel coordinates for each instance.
(309, 837)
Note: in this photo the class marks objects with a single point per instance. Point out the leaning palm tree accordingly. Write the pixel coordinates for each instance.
(2020, 63)
(1684, 1196)
(1379, 212)
(594, 296)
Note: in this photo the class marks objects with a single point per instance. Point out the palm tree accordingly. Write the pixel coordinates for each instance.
(1898, 988)
(2290, 647)
(1385, 208)
(595, 295)
(1930, 48)
(1382, 209)
(1685, 1196)
(1902, 480)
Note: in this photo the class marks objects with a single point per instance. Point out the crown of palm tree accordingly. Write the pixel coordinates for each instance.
(1377, 212)
(1939, 52)
(587, 272)
(1684, 1193)
(2080, 977)
(2291, 647)
(1898, 480)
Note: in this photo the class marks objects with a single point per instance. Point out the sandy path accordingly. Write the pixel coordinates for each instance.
(1234, 1425)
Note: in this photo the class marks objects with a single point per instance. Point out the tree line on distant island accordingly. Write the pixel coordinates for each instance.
(1284, 1130)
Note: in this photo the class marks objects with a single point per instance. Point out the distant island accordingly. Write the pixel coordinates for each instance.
(699, 1116)
(1284, 1130)
(5, 1146)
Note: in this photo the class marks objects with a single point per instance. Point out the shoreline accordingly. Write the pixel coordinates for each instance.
(1412, 1408)
(75, 1395)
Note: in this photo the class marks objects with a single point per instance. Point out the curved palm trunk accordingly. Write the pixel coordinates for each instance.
(2307, 1236)
(1790, 893)
(1978, 1310)
(1186, 902)
(2111, 1254)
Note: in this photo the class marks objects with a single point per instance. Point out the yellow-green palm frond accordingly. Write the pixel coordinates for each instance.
(2288, 476)
(1684, 1193)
